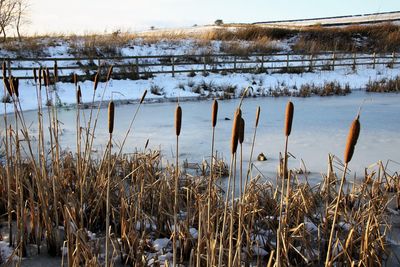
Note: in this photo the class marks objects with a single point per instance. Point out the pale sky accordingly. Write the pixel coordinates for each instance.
(84, 16)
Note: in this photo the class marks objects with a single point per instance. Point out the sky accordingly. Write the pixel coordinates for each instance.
(90, 16)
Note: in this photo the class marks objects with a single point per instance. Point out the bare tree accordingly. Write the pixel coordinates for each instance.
(12, 15)
(20, 16)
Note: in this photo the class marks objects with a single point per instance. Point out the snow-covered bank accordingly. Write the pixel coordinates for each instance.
(165, 87)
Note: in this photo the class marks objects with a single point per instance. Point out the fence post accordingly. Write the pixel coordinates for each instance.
(204, 62)
(374, 60)
(9, 67)
(234, 63)
(287, 62)
(333, 61)
(393, 58)
(262, 63)
(173, 66)
(137, 67)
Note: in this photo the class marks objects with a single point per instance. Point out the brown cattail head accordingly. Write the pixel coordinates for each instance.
(55, 71)
(15, 86)
(75, 79)
(4, 68)
(109, 73)
(214, 114)
(47, 77)
(289, 118)
(79, 95)
(235, 130)
(44, 74)
(143, 96)
(178, 120)
(111, 117)
(7, 85)
(241, 131)
(352, 138)
(40, 75)
(35, 74)
(257, 115)
(96, 81)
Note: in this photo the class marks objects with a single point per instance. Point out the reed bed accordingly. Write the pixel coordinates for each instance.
(55, 200)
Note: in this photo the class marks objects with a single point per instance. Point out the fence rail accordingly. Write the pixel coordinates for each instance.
(136, 67)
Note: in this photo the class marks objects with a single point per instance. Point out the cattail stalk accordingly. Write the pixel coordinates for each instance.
(352, 138)
(178, 125)
(111, 109)
(234, 143)
(214, 116)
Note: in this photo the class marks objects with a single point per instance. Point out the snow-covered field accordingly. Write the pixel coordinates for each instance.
(164, 86)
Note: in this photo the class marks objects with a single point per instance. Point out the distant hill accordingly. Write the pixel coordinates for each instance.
(393, 17)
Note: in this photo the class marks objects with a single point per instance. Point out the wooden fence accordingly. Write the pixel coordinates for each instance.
(137, 67)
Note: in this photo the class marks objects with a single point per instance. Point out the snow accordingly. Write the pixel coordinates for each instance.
(5, 251)
(181, 86)
(161, 243)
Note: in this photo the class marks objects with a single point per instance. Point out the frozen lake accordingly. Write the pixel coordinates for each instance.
(320, 126)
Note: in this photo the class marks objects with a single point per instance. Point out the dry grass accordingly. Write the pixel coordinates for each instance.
(384, 85)
(43, 188)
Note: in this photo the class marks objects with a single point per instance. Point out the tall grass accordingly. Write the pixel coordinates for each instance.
(133, 199)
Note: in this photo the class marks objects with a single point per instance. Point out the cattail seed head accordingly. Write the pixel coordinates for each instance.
(35, 74)
(79, 95)
(235, 131)
(4, 68)
(214, 114)
(55, 71)
(178, 120)
(352, 138)
(15, 86)
(96, 81)
(257, 115)
(44, 74)
(47, 77)
(289, 118)
(111, 117)
(143, 96)
(75, 79)
(109, 73)
(40, 75)
(7, 85)
(241, 131)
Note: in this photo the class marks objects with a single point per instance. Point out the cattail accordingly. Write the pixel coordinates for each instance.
(48, 77)
(109, 74)
(257, 115)
(214, 113)
(40, 75)
(178, 120)
(143, 96)
(15, 86)
(241, 131)
(44, 74)
(35, 74)
(4, 68)
(235, 131)
(111, 117)
(78, 95)
(75, 80)
(352, 139)
(7, 85)
(96, 81)
(147, 143)
(289, 118)
(55, 70)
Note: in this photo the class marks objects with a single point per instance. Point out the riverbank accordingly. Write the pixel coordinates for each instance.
(163, 87)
